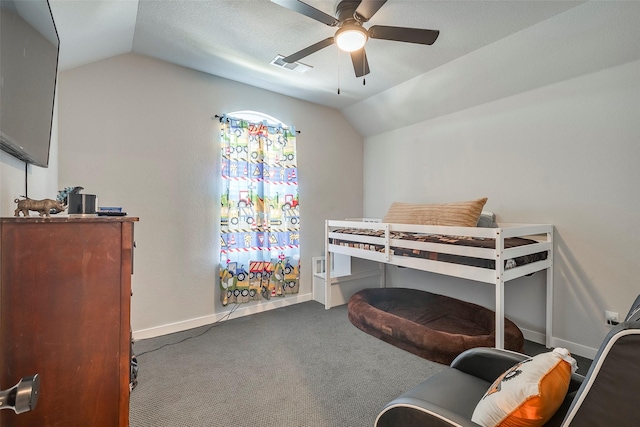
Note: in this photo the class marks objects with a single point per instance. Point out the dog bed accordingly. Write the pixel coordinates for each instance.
(434, 327)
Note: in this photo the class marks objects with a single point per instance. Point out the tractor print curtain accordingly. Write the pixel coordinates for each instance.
(259, 218)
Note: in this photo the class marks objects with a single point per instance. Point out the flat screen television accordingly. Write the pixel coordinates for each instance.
(29, 46)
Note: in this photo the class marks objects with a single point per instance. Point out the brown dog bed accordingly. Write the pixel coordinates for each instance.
(431, 326)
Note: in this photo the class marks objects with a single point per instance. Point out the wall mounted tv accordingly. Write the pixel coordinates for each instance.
(29, 46)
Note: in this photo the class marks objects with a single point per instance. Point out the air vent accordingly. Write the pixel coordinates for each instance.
(298, 67)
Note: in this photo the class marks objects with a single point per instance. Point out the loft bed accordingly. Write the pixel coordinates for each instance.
(492, 255)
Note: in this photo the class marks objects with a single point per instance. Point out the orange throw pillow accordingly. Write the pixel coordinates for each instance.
(528, 394)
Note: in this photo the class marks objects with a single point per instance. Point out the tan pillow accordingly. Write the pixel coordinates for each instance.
(460, 214)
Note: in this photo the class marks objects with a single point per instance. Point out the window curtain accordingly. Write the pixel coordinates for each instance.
(259, 217)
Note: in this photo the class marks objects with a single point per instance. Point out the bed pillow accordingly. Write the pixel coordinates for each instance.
(460, 214)
(528, 394)
(487, 220)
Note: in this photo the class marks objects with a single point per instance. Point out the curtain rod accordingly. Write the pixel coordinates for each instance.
(221, 117)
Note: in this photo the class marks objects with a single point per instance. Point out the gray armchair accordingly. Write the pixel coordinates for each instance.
(606, 396)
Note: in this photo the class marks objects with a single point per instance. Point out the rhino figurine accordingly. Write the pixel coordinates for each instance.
(43, 206)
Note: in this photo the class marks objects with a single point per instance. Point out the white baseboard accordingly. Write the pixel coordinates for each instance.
(258, 307)
(534, 336)
(578, 349)
(244, 310)
(574, 348)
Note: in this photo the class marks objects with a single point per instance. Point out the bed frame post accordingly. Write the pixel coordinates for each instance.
(327, 268)
(549, 312)
(499, 289)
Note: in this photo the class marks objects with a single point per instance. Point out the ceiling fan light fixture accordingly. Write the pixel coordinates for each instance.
(350, 38)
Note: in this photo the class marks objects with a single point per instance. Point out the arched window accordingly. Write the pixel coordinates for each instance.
(260, 212)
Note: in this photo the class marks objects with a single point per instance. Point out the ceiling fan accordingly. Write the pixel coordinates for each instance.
(351, 36)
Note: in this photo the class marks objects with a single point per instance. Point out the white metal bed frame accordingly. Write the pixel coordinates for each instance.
(542, 233)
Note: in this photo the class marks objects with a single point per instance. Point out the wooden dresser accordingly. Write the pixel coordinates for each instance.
(65, 297)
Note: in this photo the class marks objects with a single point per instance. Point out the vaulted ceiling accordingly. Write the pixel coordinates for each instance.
(237, 39)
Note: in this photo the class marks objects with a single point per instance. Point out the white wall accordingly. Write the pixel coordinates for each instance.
(140, 134)
(564, 154)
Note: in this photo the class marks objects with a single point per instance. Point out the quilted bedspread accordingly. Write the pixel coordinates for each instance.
(510, 242)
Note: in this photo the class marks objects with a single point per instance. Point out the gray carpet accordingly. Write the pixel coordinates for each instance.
(295, 366)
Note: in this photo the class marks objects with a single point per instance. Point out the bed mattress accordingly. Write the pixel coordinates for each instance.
(488, 243)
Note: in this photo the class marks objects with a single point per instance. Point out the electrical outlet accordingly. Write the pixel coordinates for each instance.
(611, 318)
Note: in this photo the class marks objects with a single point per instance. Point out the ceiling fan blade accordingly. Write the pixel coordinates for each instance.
(368, 8)
(308, 50)
(305, 9)
(360, 63)
(401, 34)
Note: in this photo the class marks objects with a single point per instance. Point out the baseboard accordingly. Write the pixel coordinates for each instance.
(577, 349)
(574, 348)
(258, 307)
(244, 310)
(536, 337)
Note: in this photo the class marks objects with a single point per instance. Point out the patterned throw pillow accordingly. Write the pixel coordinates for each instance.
(529, 393)
(460, 214)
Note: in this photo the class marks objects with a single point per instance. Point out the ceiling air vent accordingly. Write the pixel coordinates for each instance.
(298, 67)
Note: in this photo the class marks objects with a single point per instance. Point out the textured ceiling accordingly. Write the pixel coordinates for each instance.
(591, 37)
(236, 39)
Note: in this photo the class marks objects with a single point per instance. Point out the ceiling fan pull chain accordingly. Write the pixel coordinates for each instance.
(364, 66)
(338, 53)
